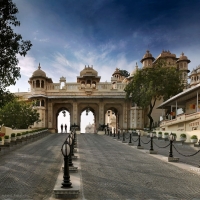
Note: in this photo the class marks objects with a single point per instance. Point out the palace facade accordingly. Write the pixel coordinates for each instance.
(106, 100)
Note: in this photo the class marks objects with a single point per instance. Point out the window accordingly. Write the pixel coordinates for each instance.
(37, 83)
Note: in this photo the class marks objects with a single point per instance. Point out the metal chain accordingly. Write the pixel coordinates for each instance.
(126, 137)
(161, 147)
(135, 140)
(145, 142)
(186, 155)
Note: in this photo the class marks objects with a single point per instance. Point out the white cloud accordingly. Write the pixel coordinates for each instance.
(100, 59)
(27, 65)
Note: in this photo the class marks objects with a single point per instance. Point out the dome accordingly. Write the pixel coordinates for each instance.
(39, 72)
(117, 71)
(147, 54)
(134, 71)
(88, 71)
(183, 58)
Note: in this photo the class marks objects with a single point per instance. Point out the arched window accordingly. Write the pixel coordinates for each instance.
(37, 102)
(42, 102)
(42, 84)
(37, 83)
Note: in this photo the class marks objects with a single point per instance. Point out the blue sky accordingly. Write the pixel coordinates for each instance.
(69, 34)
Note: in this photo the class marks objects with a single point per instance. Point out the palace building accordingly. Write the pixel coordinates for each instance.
(106, 100)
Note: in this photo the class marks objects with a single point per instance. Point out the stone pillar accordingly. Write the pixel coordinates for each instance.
(101, 113)
(124, 117)
(74, 116)
(50, 115)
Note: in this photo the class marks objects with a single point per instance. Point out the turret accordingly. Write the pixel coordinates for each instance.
(147, 60)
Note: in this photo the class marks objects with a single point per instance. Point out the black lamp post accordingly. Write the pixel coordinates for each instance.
(171, 138)
(130, 138)
(151, 146)
(69, 140)
(114, 132)
(139, 134)
(66, 177)
(72, 134)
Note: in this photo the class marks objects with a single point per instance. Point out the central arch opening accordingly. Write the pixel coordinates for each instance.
(63, 121)
(87, 121)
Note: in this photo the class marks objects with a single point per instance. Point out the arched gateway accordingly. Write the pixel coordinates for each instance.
(104, 99)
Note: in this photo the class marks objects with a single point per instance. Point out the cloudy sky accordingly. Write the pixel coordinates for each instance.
(67, 34)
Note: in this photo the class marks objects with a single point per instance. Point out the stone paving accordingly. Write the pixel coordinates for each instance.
(30, 172)
(112, 170)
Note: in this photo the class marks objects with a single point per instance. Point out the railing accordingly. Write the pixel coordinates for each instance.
(181, 118)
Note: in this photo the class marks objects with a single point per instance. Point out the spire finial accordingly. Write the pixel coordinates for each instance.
(39, 66)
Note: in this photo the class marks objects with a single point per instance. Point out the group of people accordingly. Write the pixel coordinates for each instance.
(65, 127)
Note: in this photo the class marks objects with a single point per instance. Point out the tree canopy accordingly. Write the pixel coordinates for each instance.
(151, 84)
(18, 115)
(11, 45)
(124, 73)
(5, 97)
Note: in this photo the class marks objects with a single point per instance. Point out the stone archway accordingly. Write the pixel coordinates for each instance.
(93, 107)
(117, 109)
(57, 108)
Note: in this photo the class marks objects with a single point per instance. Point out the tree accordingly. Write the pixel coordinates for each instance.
(18, 115)
(124, 73)
(11, 45)
(5, 97)
(151, 84)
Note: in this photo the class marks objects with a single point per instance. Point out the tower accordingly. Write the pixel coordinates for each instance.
(182, 64)
(147, 60)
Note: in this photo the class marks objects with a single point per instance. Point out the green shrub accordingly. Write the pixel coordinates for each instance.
(183, 135)
(0, 138)
(13, 135)
(19, 134)
(166, 133)
(194, 137)
(174, 134)
(6, 137)
(159, 133)
(23, 133)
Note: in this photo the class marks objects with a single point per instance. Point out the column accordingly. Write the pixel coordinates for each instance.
(49, 115)
(74, 113)
(101, 113)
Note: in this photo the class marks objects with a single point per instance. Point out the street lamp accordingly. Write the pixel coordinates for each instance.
(139, 134)
(65, 149)
(151, 146)
(69, 141)
(171, 138)
(64, 113)
(139, 145)
(130, 137)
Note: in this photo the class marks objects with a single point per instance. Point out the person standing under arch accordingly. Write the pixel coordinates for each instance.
(61, 128)
(65, 128)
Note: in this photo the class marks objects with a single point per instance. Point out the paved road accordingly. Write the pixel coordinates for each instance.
(111, 170)
(30, 172)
